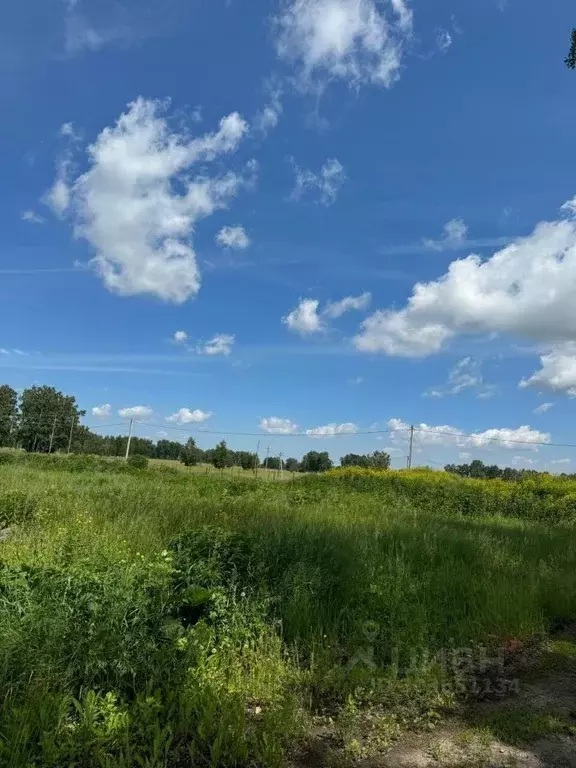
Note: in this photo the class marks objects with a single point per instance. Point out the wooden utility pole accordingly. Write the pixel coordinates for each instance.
(129, 439)
(257, 464)
(410, 448)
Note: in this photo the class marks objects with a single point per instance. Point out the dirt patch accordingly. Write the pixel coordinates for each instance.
(533, 728)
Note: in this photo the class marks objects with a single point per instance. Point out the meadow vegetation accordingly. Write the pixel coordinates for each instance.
(151, 617)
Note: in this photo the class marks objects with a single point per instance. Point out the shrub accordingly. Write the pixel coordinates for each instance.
(137, 461)
(8, 457)
(549, 499)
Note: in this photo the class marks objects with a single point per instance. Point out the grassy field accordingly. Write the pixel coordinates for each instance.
(163, 618)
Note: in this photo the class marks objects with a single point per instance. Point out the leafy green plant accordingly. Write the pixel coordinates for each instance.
(137, 461)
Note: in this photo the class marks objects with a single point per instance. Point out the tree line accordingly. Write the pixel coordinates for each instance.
(42, 419)
(477, 469)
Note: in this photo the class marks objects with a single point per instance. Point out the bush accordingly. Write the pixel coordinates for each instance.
(8, 457)
(138, 461)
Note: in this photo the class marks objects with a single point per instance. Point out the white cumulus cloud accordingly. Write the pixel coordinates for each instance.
(561, 461)
(136, 412)
(102, 411)
(357, 41)
(450, 436)
(525, 289)
(557, 370)
(305, 318)
(138, 203)
(221, 344)
(277, 426)
(330, 430)
(233, 237)
(325, 184)
(186, 416)
(180, 337)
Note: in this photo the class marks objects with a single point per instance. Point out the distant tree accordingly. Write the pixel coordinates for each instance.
(570, 60)
(477, 469)
(189, 454)
(376, 460)
(314, 461)
(221, 456)
(46, 415)
(354, 460)
(272, 462)
(142, 446)
(379, 460)
(245, 459)
(168, 449)
(8, 414)
(86, 441)
(292, 465)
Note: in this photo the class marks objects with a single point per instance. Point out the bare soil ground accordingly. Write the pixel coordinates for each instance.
(535, 727)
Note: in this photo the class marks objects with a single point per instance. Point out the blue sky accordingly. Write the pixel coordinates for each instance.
(274, 180)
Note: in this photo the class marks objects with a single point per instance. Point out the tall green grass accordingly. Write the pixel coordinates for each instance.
(155, 618)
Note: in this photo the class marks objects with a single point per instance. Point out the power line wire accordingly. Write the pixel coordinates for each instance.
(365, 432)
(45, 420)
(271, 434)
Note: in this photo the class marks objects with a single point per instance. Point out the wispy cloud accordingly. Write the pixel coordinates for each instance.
(32, 217)
(324, 185)
(221, 344)
(40, 271)
(455, 233)
(423, 246)
(101, 369)
(443, 40)
(543, 408)
(466, 375)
